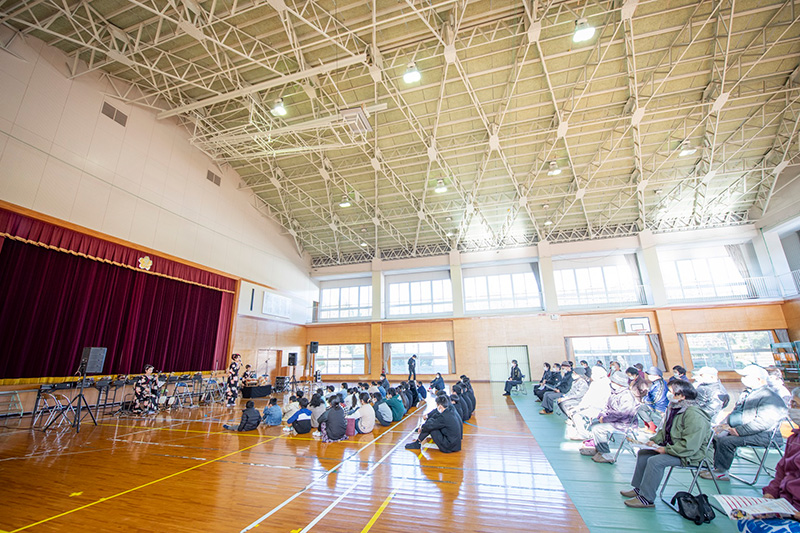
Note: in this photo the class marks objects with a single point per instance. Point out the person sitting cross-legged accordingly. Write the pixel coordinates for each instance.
(618, 416)
(300, 422)
(364, 415)
(396, 405)
(443, 426)
(272, 413)
(250, 418)
(751, 422)
(680, 442)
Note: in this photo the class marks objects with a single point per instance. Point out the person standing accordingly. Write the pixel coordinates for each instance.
(232, 393)
(145, 400)
(514, 379)
(412, 367)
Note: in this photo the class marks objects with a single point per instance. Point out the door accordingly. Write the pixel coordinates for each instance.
(500, 358)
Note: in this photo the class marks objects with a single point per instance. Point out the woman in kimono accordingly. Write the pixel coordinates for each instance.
(144, 391)
(232, 393)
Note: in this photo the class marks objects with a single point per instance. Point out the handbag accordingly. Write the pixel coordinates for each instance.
(694, 508)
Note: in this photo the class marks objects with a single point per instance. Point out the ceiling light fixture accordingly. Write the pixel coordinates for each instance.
(583, 31)
(686, 149)
(364, 244)
(440, 187)
(548, 222)
(278, 110)
(554, 170)
(345, 201)
(412, 74)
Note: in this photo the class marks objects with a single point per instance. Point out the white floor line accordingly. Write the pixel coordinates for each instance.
(326, 474)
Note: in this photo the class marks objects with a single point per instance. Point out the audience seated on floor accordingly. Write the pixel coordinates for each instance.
(751, 423)
(383, 413)
(396, 405)
(443, 426)
(651, 412)
(458, 390)
(273, 414)
(317, 407)
(300, 422)
(250, 418)
(364, 415)
(332, 423)
(682, 441)
(619, 416)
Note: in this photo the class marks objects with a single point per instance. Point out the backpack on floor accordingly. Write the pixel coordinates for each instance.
(694, 508)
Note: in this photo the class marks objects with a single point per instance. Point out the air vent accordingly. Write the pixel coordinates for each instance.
(213, 178)
(114, 114)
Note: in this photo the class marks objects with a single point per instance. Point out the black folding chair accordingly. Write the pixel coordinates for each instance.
(695, 470)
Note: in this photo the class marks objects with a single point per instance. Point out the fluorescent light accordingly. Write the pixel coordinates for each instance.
(345, 202)
(278, 110)
(548, 222)
(449, 233)
(440, 187)
(364, 244)
(554, 170)
(686, 149)
(412, 74)
(583, 31)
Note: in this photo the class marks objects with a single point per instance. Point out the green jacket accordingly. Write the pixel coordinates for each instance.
(396, 405)
(691, 431)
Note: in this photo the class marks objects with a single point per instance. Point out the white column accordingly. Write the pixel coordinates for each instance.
(547, 278)
(652, 269)
(456, 280)
(377, 290)
(776, 259)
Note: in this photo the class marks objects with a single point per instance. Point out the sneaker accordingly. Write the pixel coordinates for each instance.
(589, 443)
(588, 452)
(506, 394)
(636, 503)
(602, 458)
(413, 445)
(545, 412)
(287, 428)
(629, 493)
(432, 446)
(316, 434)
(721, 476)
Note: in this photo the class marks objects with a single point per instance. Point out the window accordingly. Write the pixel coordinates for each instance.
(627, 350)
(703, 278)
(432, 357)
(345, 302)
(732, 350)
(420, 297)
(498, 291)
(607, 284)
(341, 359)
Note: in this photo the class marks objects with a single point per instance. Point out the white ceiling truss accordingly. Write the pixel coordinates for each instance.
(505, 92)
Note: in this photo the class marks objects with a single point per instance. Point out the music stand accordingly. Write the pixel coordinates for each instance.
(92, 361)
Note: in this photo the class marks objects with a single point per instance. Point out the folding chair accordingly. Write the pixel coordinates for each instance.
(520, 387)
(624, 442)
(775, 441)
(695, 470)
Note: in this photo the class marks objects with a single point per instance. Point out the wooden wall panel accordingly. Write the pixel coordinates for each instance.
(791, 312)
(733, 318)
(253, 334)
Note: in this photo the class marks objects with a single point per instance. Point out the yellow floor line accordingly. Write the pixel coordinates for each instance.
(141, 486)
(378, 512)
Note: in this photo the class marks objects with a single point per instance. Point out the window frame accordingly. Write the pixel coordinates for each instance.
(326, 348)
(701, 356)
(397, 363)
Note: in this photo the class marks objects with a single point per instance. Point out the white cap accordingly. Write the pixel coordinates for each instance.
(754, 371)
(709, 371)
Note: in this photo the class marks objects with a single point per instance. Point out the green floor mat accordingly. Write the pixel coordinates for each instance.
(594, 488)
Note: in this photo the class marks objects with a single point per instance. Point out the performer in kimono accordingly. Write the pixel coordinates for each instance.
(145, 392)
(232, 393)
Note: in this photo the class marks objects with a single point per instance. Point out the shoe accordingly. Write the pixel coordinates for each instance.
(588, 452)
(600, 458)
(538, 400)
(287, 428)
(636, 503)
(506, 394)
(589, 443)
(432, 446)
(721, 476)
(316, 434)
(650, 427)
(414, 445)
(545, 412)
(629, 493)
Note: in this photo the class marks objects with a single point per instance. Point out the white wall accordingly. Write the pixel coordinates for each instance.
(143, 183)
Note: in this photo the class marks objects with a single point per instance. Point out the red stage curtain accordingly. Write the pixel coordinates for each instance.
(23, 227)
(52, 304)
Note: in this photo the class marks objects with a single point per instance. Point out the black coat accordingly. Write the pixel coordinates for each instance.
(471, 395)
(565, 383)
(438, 383)
(516, 374)
(335, 423)
(412, 363)
(461, 408)
(468, 403)
(250, 420)
(446, 430)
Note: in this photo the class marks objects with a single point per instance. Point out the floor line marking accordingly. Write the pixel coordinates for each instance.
(101, 500)
(320, 478)
(356, 483)
(379, 511)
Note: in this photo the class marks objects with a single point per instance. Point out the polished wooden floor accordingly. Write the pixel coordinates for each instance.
(181, 471)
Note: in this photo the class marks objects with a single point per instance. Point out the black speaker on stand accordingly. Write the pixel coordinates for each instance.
(313, 347)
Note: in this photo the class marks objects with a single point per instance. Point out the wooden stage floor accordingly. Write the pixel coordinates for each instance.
(181, 471)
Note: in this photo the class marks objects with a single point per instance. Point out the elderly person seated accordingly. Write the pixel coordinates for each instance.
(786, 483)
(580, 385)
(680, 442)
(711, 394)
(637, 383)
(594, 401)
(751, 422)
(619, 416)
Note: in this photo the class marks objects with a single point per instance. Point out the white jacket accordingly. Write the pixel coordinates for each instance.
(596, 397)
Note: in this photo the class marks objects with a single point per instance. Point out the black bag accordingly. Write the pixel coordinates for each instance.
(694, 508)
